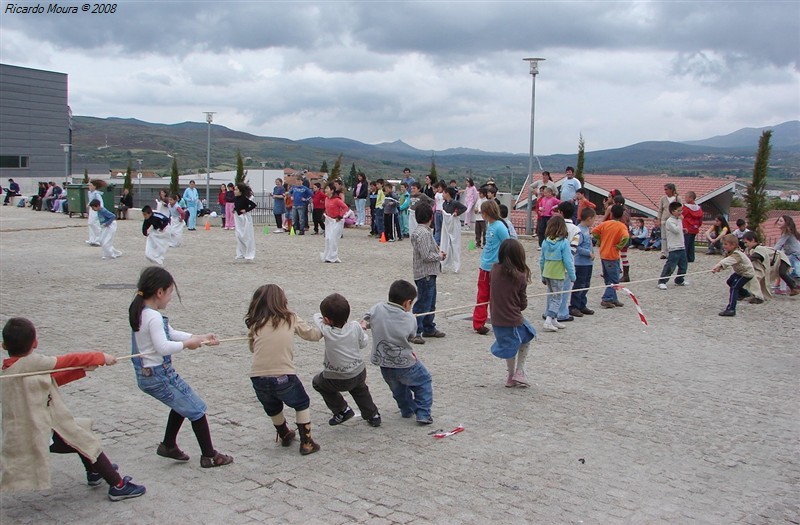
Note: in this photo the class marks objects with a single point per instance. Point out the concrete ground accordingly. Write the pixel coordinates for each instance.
(693, 419)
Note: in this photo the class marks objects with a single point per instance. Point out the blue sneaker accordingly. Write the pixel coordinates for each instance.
(93, 479)
(126, 491)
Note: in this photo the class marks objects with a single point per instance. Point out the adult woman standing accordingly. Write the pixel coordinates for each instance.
(361, 193)
(191, 198)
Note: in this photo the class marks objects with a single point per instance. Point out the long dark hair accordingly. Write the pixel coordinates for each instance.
(511, 257)
(245, 190)
(269, 303)
(718, 229)
(152, 279)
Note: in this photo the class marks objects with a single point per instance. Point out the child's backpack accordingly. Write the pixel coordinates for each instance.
(21, 203)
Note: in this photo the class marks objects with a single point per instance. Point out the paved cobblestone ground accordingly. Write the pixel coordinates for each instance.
(692, 420)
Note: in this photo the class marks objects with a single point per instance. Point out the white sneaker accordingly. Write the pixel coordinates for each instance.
(278, 230)
(662, 286)
(558, 325)
(549, 327)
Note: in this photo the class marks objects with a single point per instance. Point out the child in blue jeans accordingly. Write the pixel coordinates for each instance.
(392, 326)
(584, 261)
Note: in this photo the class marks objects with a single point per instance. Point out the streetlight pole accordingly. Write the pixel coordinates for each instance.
(139, 176)
(534, 62)
(67, 149)
(209, 119)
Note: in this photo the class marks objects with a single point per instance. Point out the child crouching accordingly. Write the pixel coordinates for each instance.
(35, 417)
(271, 326)
(392, 326)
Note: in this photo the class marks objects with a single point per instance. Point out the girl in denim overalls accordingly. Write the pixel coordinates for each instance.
(155, 376)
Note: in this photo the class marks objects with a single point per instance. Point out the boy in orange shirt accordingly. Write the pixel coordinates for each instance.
(613, 235)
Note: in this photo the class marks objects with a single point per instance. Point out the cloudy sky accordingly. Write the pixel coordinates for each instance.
(433, 74)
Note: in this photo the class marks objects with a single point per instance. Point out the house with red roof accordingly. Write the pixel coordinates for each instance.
(643, 192)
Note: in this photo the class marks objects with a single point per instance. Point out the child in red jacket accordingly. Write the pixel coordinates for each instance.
(692, 220)
(35, 417)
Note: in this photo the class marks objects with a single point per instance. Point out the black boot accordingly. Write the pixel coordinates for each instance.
(285, 435)
(307, 445)
(626, 278)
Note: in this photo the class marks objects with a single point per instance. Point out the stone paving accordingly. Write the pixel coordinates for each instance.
(691, 420)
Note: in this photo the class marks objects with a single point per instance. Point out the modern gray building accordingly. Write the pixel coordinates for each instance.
(34, 126)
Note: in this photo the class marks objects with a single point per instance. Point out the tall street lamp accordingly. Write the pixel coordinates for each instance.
(209, 119)
(534, 62)
(139, 176)
(67, 149)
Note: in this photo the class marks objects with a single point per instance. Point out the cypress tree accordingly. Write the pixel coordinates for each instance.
(756, 196)
(128, 183)
(324, 167)
(581, 158)
(239, 168)
(173, 180)
(337, 169)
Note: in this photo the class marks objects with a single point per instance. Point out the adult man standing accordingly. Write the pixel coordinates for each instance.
(569, 186)
(408, 180)
(11, 191)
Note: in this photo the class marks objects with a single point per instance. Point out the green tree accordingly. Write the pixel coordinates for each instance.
(756, 196)
(324, 167)
(128, 183)
(353, 177)
(239, 168)
(434, 177)
(336, 173)
(581, 159)
(173, 180)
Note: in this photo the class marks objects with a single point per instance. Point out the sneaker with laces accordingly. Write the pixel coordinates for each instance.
(374, 421)
(341, 417)
(126, 491)
(94, 479)
(521, 378)
(607, 304)
(549, 327)
(662, 286)
(557, 324)
(510, 383)
(218, 460)
(417, 340)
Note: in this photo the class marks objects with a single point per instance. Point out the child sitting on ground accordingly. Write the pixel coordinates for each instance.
(344, 366)
(35, 417)
(271, 326)
(392, 326)
(743, 271)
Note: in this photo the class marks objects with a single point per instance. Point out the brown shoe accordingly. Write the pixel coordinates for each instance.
(574, 312)
(218, 460)
(618, 304)
(307, 444)
(794, 292)
(587, 311)
(607, 304)
(417, 340)
(483, 330)
(172, 453)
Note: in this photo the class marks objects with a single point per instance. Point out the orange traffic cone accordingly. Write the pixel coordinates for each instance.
(383, 237)
(207, 227)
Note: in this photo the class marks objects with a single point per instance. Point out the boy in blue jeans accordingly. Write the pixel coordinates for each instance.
(427, 263)
(392, 326)
(584, 259)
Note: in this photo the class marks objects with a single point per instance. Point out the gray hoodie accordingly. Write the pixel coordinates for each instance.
(391, 327)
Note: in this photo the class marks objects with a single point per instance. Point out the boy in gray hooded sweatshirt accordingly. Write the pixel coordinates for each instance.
(392, 325)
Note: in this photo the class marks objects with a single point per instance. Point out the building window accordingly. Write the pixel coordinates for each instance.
(13, 161)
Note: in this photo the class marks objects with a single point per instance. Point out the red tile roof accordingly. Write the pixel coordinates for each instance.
(771, 231)
(646, 190)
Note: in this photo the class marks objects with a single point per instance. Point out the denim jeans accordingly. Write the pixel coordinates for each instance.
(563, 309)
(274, 392)
(379, 220)
(583, 279)
(299, 219)
(437, 224)
(555, 299)
(412, 388)
(610, 276)
(688, 244)
(675, 258)
(361, 206)
(426, 302)
(168, 387)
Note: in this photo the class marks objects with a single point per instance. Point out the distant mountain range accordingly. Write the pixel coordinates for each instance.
(115, 141)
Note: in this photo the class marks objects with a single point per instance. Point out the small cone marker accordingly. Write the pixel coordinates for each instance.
(207, 227)
(383, 237)
(291, 230)
(471, 245)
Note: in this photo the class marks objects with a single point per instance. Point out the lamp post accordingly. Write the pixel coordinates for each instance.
(511, 170)
(67, 149)
(209, 119)
(534, 62)
(139, 176)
